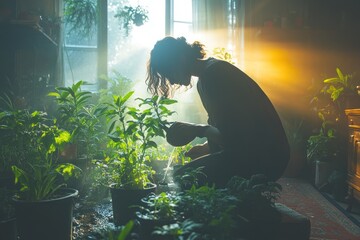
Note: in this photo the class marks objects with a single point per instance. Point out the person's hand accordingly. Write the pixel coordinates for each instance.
(213, 134)
(198, 151)
(181, 133)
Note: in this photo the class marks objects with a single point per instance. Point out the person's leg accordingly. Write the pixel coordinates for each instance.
(217, 169)
(211, 167)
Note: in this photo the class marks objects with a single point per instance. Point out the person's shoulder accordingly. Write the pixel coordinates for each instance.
(218, 67)
(214, 65)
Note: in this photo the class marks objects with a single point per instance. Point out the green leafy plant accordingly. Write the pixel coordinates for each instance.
(328, 143)
(322, 147)
(132, 132)
(129, 16)
(81, 15)
(223, 54)
(38, 173)
(190, 178)
(207, 212)
(12, 135)
(178, 154)
(340, 86)
(80, 117)
(329, 104)
(120, 233)
(160, 206)
(117, 84)
(186, 229)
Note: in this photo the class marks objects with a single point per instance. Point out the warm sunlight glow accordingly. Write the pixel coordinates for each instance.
(284, 69)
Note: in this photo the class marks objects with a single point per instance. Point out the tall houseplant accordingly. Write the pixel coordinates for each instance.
(132, 133)
(78, 115)
(43, 206)
(328, 143)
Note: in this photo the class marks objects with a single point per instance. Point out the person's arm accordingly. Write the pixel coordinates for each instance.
(180, 133)
(212, 133)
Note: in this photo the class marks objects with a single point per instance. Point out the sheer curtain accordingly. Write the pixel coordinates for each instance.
(219, 24)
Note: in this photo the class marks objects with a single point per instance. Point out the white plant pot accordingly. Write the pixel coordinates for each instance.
(322, 173)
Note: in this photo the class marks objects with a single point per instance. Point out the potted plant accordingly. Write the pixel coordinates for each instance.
(7, 215)
(11, 139)
(132, 133)
(328, 146)
(245, 208)
(157, 210)
(129, 16)
(81, 118)
(321, 152)
(43, 206)
(343, 89)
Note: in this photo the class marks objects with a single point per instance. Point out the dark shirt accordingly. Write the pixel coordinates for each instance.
(247, 120)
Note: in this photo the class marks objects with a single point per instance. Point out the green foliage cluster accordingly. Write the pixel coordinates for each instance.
(132, 132)
(81, 15)
(129, 16)
(223, 54)
(160, 206)
(329, 104)
(341, 86)
(207, 212)
(31, 144)
(82, 118)
(323, 146)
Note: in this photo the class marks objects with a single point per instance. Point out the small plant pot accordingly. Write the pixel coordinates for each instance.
(8, 229)
(323, 171)
(46, 219)
(124, 200)
(147, 226)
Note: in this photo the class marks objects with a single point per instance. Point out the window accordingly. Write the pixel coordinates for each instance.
(127, 54)
(181, 18)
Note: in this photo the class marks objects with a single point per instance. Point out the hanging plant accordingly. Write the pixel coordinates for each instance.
(129, 16)
(81, 15)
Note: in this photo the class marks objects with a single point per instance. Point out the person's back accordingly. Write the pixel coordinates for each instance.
(251, 129)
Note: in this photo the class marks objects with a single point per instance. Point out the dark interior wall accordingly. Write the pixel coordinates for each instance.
(29, 48)
(301, 41)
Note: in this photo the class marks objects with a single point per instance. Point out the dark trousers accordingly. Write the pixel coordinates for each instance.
(220, 167)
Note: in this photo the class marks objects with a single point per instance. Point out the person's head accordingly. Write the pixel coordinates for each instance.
(170, 64)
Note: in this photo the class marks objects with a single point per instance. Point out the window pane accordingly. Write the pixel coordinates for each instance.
(183, 10)
(73, 38)
(182, 29)
(128, 54)
(80, 65)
